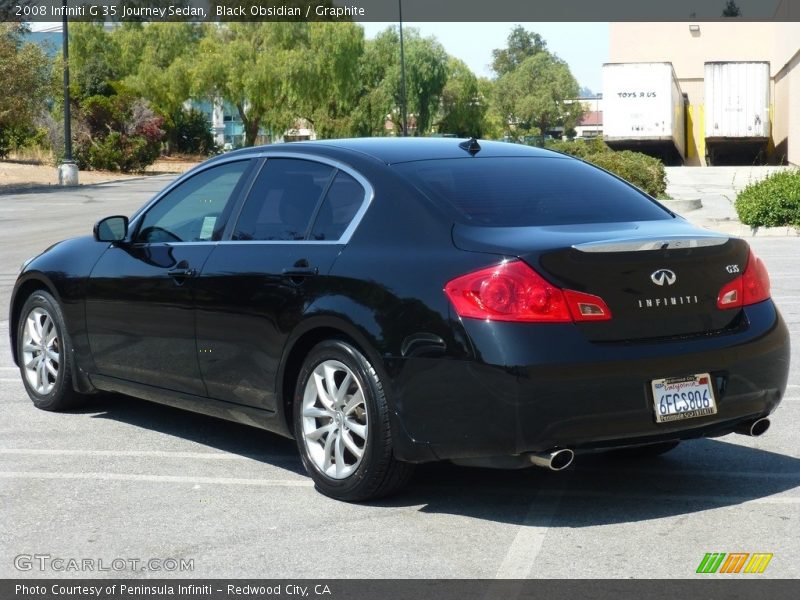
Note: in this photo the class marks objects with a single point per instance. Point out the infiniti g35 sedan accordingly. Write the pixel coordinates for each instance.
(388, 302)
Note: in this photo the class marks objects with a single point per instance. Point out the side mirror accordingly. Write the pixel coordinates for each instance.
(111, 229)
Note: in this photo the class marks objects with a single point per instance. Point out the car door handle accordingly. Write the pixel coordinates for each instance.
(182, 274)
(300, 272)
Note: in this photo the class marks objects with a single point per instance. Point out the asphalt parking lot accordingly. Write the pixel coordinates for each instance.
(126, 479)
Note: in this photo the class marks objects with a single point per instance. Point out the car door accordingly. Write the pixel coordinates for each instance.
(256, 287)
(140, 300)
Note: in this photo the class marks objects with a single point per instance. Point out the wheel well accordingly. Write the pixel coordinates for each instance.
(21, 296)
(294, 362)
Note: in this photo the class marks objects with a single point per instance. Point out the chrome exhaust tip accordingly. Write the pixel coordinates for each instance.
(754, 428)
(557, 460)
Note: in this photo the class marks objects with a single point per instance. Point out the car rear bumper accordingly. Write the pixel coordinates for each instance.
(532, 388)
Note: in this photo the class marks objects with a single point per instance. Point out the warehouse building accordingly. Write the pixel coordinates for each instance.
(693, 49)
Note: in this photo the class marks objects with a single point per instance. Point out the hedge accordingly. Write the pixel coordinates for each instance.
(771, 202)
(645, 172)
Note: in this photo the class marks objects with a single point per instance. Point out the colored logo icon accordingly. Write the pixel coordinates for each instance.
(734, 562)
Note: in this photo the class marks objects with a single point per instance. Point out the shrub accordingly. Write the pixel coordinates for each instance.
(772, 202)
(580, 148)
(117, 133)
(645, 172)
(190, 133)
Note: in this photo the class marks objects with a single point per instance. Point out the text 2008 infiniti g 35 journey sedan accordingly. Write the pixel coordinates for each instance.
(389, 302)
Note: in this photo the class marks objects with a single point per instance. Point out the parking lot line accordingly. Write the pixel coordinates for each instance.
(158, 478)
(131, 453)
(528, 542)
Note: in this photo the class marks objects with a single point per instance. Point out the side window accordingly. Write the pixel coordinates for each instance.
(282, 200)
(195, 210)
(341, 204)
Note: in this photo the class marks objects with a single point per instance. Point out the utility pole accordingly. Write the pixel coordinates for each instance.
(68, 171)
(402, 72)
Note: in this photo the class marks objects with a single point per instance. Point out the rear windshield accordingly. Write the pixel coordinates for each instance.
(519, 192)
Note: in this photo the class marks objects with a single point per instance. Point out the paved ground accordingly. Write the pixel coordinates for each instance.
(717, 187)
(132, 480)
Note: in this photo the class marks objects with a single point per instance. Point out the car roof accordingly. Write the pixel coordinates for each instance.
(392, 150)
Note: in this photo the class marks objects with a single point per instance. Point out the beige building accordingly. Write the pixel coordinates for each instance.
(688, 46)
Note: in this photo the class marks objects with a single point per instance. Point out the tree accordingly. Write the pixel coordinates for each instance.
(381, 94)
(463, 106)
(93, 61)
(378, 95)
(160, 58)
(25, 75)
(250, 65)
(325, 84)
(539, 95)
(522, 44)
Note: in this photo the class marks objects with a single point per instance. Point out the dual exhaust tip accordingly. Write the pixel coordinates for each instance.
(558, 460)
(754, 428)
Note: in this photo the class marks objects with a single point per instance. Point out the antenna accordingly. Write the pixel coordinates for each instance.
(471, 145)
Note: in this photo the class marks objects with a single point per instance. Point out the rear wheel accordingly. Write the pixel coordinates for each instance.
(43, 351)
(341, 423)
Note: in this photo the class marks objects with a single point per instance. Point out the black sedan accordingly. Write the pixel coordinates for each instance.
(395, 301)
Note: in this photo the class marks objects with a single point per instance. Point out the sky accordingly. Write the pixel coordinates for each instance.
(583, 45)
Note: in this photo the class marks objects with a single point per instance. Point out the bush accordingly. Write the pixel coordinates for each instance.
(772, 202)
(190, 133)
(580, 148)
(645, 172)
(117, 133)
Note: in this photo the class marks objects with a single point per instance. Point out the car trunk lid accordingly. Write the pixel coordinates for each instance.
(656, 285)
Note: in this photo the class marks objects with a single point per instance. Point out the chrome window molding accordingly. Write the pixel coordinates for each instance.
(369, 194)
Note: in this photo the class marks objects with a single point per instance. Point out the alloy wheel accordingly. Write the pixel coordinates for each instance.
(334, 419)
(41, 351)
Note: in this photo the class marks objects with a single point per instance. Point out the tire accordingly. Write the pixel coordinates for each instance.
(644, 452)
(344, 438)
(45, 363)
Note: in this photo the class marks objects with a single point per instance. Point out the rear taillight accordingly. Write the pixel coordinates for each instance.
(750, 287)
(513, 291)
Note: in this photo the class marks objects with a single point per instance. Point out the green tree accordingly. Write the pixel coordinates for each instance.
(25, 76)
(324, 86)
(379, 78)
(381, 95)
(463, 106)
(93, 61)
(494, 126)
(522, 44)
(538, 95)
(161, 57)
(250, 65)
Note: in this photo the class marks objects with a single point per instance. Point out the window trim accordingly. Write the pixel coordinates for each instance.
(258, 160)
(369, 195)
(242, 186)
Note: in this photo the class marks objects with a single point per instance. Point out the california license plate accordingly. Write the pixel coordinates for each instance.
(679, 398)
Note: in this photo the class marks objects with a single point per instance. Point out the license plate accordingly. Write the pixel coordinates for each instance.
(679, 398)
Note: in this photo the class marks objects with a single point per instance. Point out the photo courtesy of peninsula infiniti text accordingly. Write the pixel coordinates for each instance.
(387, 302)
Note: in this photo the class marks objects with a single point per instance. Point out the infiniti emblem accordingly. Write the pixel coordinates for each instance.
(663, 276)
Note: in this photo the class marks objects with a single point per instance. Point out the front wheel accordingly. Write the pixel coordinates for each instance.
(43, 353)
(341, 422)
